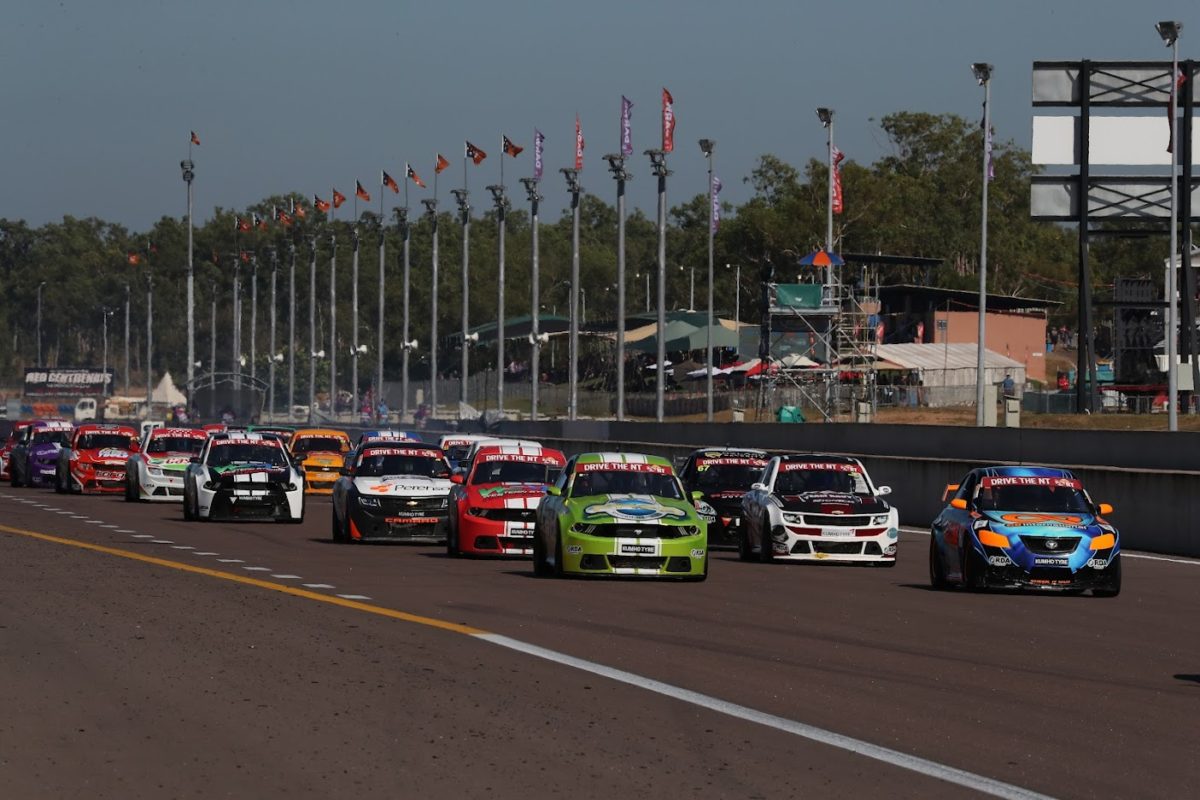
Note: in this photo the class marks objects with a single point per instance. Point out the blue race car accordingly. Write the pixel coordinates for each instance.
(1024, 527)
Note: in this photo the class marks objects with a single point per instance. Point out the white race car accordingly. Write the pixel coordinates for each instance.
(155, 471)
(815, 508)
(243, 476)
(394, 491)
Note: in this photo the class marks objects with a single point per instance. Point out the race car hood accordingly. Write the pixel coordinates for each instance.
(405, 485)
(832, 503)
(494, 495)
(44, 452)
(329, 459)
(171, 462)
(1027, 523)
(104, 456)
(252, 473)
(617, 508)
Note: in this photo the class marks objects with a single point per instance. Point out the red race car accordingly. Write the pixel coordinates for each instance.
(493, 506)
(96, 460)
(13, 437)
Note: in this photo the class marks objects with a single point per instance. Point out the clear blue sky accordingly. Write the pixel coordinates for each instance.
(295, 95)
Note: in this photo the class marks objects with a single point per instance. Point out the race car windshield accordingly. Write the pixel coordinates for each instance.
(247, 453)
(378, 466)
(51, 437)
(805, 481)
(98, 441)
(458, 452)
(592, 483)
(726, 477)
(514, 472)
(318, 444)
(1044, 499)
(175, 444)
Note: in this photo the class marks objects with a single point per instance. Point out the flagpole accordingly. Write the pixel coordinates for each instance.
(332, 321)
(572, 177)
(291, 323)
(312, 325)
(501, 202)
(149, 343)
(253, 315)
(707, 146)
(188, 168)
(405, 288)
(658, 168)
(212, 351)
(431, 212)
(354, 314)
(531, 190)
(616, 165)
(271, 352)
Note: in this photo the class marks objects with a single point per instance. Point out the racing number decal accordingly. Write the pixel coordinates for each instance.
(1040, 519)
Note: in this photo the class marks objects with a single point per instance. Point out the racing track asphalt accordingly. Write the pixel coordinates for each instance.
(123, 678)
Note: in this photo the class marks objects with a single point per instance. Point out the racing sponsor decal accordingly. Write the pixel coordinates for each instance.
(634, 547)
(619, 466)
(1017, 519)
(524, 459)
(737, 461)
(412, 520)
(832, 466)
(697, 552)
(574, 549)
(642, 509)
(1051, 561)
(170, 461)
(426, 452)
(1098, 563)
(113, 452)
(1054, 483)
(999, 561)
(512, 490)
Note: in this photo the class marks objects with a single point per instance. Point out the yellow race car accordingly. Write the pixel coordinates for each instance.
(322, 453)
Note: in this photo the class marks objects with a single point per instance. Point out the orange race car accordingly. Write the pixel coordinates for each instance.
(321, 453)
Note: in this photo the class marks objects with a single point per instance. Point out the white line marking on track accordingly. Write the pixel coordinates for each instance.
(139, 535)
(108, 526)
(205, 553)
(127, 530)
(65, 512)
(354, 597)
(970, 780)
(182, 547)
(318, 585)
(231, 561)
(161, 541)
(1191, 562)
(287, 577)
(257, 569)
(95, 522)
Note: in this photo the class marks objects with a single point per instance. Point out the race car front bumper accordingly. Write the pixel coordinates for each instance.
(42, 473)
(99, 480)
(1098, 572)
(681, 557)
(264, 501)
(395, 520)
(161, 485)
(802, 543)
(320, 480)
(502, 532)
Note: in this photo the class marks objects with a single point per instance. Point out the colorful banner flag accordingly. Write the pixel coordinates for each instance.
(390, 182)
(668, 121)
(338, 199)
(578, 144)
(626, 126)
(539, 146)
(441, 164)
(361, 193)
(245, 257)
(298, 209)
(284, 218)
(475, 154)
(242, 225)
(716, 203)
(510, 148)
(413, 176)
(260, 223)
(991, 166)
(319, 204)
(838, 157)
(195, 139)
(134, 259)
(1176, 85)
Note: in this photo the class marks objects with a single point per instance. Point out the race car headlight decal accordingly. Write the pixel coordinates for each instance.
(445, 502)
(689, 530)
(291, 487)
(1104, 542)
(475, 511)
(369, 502)
(154, 472)
(793, 518)
(989, 539)
(879, 519)
(580, 527)
(705, 510)
(210, 485)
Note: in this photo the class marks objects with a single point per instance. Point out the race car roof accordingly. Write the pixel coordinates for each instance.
(241, 437)
(459, 439)
(93, 427)
(402, 447)
(729, 452)
(177, 433)
(508, 452)
(387, 436)
(622, 458)
(1026, 472)
(51, 424)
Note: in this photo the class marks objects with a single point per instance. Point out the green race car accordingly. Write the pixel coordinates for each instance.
(620, 514)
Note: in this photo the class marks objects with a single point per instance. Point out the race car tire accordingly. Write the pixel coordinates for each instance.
(188, 514)
(974, 572)
(334, 533)
(766, 553)
(452, 550)
(299, 520)
(703, 576)
(59, 486)
(130, 492)
(745, 549)
(558, 556)
(1114, 586)
(937, 570)
(540, 568)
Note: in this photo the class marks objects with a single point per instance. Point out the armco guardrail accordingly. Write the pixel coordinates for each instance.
(1149, 477)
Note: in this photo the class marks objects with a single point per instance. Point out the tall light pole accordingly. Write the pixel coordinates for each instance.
(535, 311)
(616, 165)
(464, 209)
(41, 286)
(826, 117)
(737, 298)
(189, 173)
(983, 75)
(212, 350)
(312, 327)
(237, 325)
(402, 225)
(149, 341)
(572, 177)
(658, 168)
(380, 311)
(333, 398)
(107, 312)
(291, 329)
(271, 363)
(706, 147)
(126, 338)
(1169, 31)
(500, 200)
(431, 213)
(253, 316)
(354, 317)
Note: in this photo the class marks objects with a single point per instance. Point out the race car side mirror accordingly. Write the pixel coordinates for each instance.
(346, 470)
(194, 460)
(951, 488)
(882, 490)
(554, 491)
(458, 478)
(758, 487)
(697, 496)
(959, 503)
(1105, 508)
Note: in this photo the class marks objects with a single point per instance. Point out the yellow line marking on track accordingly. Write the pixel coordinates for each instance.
(248, 581)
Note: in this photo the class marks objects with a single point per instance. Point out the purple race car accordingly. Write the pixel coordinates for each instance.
(34, 460)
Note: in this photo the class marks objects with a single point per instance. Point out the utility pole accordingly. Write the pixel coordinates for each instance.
(189, 174)
(535, 311)
(464, 208)
(271, 367)
(212, 352)
(658, 168)
(402, 225)
(431, 213)
(126, 339)
(354, 329)
(312, 328)
(616, 165)
(291, 329)
(983, 74)
(501, 202)
(572, 176)
(379, 324)
(253, 316)
(707, 146)
(149, 341)
(332, 324)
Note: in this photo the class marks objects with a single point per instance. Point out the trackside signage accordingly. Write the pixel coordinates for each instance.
(42, 382)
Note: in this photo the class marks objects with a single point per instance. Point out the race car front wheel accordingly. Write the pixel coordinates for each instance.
(745, 549)
(937, 570)
(540, 567)
(974, 571)
(188, 514)
(1113, 588)
(766, 552)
